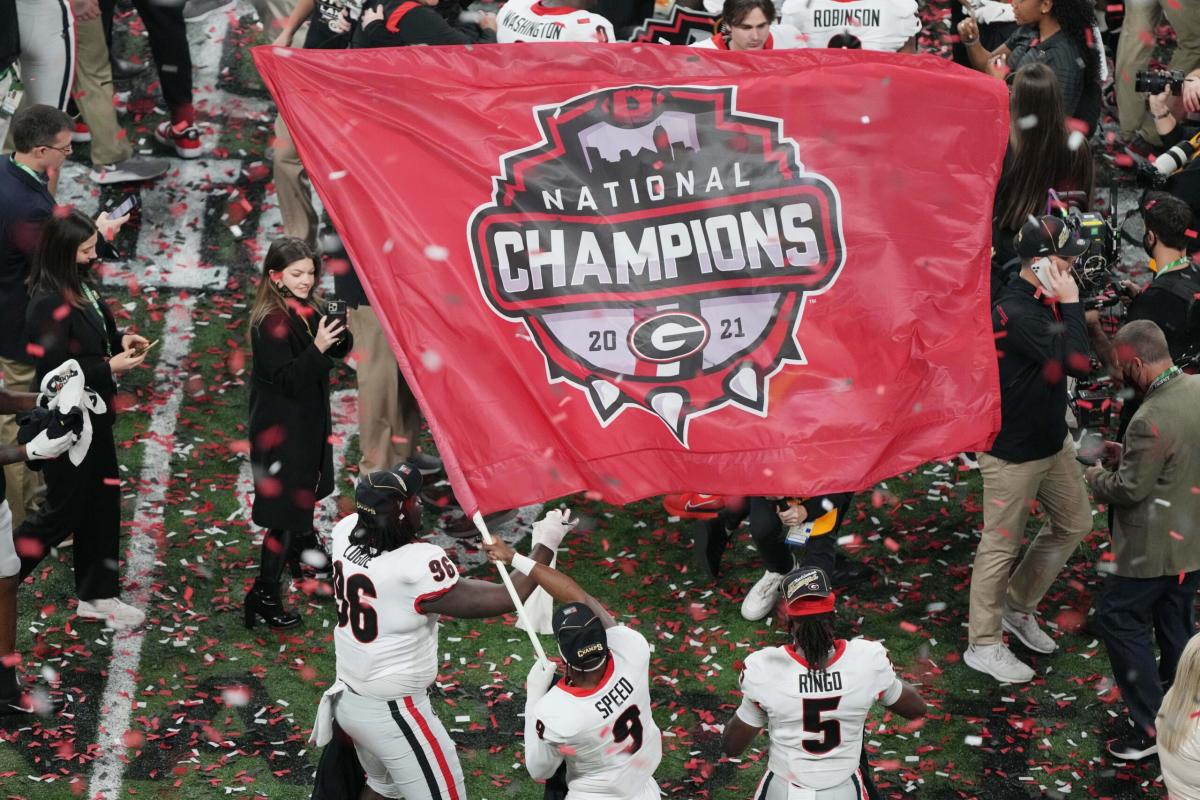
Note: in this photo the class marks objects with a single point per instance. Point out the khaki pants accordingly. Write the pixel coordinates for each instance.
(94, 94)
(388, 415)
(1136, 43)
(1009, 490)
(293, 189)
(272, 14)
(23, 487)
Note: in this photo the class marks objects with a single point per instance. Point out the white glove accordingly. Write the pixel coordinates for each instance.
(540, 677)
(550, 529)
(43, 447)
(64, 382)
(94, 402)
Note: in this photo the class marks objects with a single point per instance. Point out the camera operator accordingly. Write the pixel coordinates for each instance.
(1170, 116)
(1169, 300)
(1134, 47)
(1041, 338)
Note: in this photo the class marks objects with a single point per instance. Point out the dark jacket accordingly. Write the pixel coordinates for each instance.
(80, 335)
(25, 203)
(290, 421)
(1170, 302)
(407, 22)
(1038, 345)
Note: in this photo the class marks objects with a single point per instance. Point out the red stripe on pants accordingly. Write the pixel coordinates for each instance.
(438, 755)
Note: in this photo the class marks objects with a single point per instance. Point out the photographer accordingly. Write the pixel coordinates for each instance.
(1041, 338)
(1170, 299)
(67, 318)
(293, 346)
(1134, 47)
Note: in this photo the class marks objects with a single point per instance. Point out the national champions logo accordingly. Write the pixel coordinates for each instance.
(658, 245)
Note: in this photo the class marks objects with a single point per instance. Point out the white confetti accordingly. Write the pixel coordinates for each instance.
(435, 252)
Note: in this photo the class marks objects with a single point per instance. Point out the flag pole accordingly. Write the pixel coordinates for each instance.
(477, 518)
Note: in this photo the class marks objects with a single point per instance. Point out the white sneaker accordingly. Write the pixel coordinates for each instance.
(130, 170)
(762, 596)
(112, 612)
(1025, 628)
(999, 662)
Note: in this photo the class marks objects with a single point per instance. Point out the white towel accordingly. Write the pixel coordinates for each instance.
(322, 730)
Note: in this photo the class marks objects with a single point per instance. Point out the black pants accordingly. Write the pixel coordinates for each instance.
(771, 540)
(168, 44)
(1130, 609)
(84, 501)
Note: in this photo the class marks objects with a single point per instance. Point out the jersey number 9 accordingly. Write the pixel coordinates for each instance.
(351, 609)
(629, 726)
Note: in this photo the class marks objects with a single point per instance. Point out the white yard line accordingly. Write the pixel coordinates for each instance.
(116, 706)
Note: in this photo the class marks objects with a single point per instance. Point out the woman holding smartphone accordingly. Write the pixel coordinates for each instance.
(293, 346)
(67, 318)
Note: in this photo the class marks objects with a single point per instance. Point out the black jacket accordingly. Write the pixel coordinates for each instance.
(25, 203)
(290, 421)
(80, 335)
(407, 22)
(1170, 303)
(1038, 345)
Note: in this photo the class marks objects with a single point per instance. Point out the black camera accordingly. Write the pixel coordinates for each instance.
(1154, 81)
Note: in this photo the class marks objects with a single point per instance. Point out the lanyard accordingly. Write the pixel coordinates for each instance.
(94, 299)
(1167, 375)
(32, 173)
(1172, 266)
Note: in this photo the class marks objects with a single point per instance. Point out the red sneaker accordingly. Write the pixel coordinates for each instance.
(183, 137)
(81, 132)
(693, 505)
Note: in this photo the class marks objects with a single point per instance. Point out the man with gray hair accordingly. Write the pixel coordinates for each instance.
(1155, 507)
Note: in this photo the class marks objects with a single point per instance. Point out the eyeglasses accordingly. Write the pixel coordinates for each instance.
(66, 151)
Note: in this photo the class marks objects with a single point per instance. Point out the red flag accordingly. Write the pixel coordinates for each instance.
(637, 269)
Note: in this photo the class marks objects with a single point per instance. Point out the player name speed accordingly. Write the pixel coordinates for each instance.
(782, 237)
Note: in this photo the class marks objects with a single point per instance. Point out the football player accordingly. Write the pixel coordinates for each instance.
(813, 695)
(390, 589)
(552, 21)
(597, 719)
(888, 25)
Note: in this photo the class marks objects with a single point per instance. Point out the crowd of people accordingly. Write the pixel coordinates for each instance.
(589, 729)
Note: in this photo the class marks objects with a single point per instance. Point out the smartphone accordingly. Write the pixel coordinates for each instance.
(137, 351)
(129, 205)
(336, 311)
(1041, 270)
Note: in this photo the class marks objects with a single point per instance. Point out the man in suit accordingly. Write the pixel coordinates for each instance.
(1155, 508)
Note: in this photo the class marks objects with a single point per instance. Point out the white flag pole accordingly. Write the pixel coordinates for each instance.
(477, 518)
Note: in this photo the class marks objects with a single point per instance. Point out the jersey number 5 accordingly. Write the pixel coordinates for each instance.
(351, 610)
(830, 729)
(629, 726)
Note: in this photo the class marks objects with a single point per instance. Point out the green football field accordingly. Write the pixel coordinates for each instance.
(197, 706)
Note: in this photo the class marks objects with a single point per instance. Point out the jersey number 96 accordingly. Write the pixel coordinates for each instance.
(352, 609)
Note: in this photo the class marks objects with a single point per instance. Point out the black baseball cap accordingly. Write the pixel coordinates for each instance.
(806, 591)
(1048, 236)
(582, 641)
(375, 493)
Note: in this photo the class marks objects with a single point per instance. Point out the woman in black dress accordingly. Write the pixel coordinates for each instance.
(68, 318)
(294, 346)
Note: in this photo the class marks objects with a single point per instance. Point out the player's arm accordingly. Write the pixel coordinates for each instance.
(910, 704)
(745, 724)
(16, 402)
(562, 588)
(475, 599)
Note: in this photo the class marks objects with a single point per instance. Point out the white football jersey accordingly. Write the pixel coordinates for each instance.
(607, 734)
(783, 37)
(878, 24)
(815, 719)
(530, 21)
(382, 631)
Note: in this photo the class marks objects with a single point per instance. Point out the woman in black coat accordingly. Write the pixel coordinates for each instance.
(294, 346)
(66, 318)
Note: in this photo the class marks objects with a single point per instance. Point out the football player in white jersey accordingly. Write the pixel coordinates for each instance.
(750, 25)
(552, 21)
(597, 719)
(888, 25)
(813, 695)
(390, 589)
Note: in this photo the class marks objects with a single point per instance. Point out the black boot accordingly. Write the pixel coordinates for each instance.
(13, 700)
(302, 568)
(263, 602)
(710, 538)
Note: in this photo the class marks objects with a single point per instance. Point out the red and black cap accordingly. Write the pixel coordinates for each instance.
(806, 591)
(582, 640)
